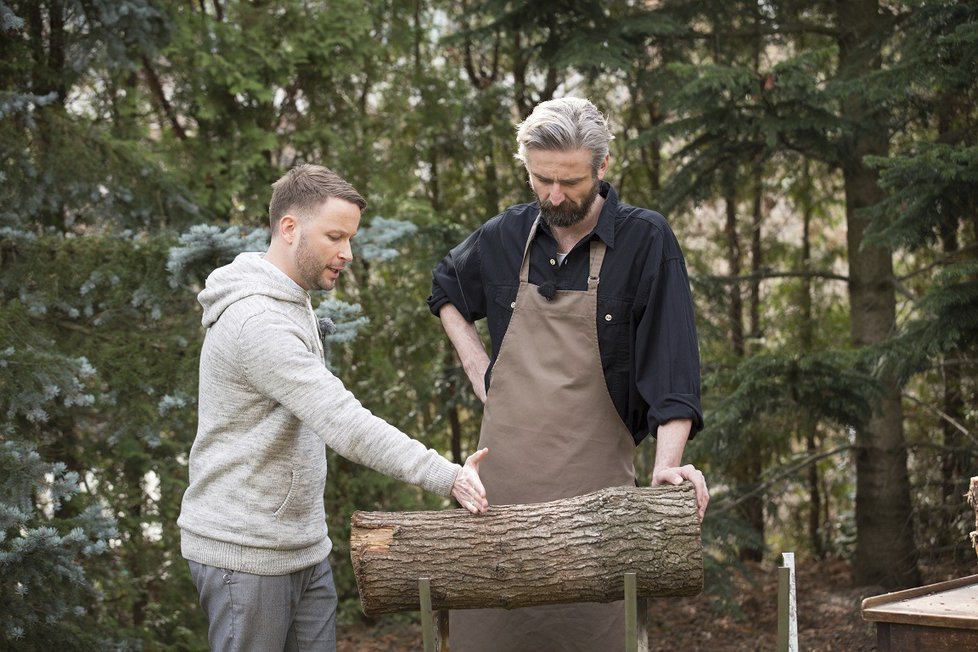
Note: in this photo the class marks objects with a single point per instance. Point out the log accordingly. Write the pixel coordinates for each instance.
(973, 501)
(571, 550)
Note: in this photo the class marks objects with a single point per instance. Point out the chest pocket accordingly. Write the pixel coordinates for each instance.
(614, 320)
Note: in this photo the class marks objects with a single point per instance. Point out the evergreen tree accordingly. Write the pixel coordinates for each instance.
(72, 146)
(46, 595)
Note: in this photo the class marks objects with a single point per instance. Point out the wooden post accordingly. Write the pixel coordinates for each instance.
(572, 550)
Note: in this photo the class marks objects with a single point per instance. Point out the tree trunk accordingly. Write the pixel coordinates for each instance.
(885, 549)
(747, 467)
(755, 330)
(571, 550)
(956, 454)
(735, 309)
(808, 426)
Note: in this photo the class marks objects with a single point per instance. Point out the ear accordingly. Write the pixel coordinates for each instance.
(288, 228)
(604, 166)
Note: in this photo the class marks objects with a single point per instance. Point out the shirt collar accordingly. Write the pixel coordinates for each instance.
(605, 228)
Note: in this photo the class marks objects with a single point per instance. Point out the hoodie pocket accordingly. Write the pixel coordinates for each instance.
(290, 497)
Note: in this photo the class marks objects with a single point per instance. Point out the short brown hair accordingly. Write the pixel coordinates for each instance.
(305, 187)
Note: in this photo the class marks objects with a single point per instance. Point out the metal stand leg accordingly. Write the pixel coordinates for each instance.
(434, 627)
(643, 625)
(441, 627)
(787, 608)
(636, 617)
(427, 622)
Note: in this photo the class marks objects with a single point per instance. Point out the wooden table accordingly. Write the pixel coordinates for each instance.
(936, 617)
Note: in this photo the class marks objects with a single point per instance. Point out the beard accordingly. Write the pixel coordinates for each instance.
(309, 268)
(569, 212)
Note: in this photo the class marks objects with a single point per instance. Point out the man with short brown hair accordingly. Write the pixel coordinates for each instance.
(252, 523)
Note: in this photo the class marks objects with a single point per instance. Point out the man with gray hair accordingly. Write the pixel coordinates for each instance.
(593, 347)
(252, 523)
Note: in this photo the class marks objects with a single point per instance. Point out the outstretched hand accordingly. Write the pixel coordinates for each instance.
(468, 489)
(677, 474)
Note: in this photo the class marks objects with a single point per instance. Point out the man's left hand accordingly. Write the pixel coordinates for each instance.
(677, 475)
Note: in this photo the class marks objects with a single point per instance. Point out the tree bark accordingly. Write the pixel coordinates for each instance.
(571, 550)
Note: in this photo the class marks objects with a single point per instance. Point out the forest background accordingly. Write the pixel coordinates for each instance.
(818, 161)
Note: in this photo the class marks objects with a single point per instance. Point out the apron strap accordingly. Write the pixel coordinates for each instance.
(525, 265)
(598, 248)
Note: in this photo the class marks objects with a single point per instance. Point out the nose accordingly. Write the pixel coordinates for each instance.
(556, 194)
(346, 252)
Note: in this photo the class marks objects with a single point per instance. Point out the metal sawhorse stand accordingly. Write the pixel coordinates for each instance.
(434, 625)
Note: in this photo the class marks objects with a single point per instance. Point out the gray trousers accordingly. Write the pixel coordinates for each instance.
(267, 613)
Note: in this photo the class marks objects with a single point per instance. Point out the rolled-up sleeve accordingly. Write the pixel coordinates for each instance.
(667, 363)
(457, 279)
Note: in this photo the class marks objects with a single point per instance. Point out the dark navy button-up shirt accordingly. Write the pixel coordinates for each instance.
(646, 332)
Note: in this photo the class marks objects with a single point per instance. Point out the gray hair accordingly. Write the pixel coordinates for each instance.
(565, 124)
(305, 187)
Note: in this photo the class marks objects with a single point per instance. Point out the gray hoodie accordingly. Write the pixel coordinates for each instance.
(267, 405)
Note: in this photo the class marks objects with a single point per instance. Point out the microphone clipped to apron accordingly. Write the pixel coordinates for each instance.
(547, 290)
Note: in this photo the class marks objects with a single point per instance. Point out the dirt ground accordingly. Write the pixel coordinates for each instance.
(828, 615)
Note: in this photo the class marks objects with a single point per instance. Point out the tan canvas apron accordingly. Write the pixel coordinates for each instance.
(552, 432)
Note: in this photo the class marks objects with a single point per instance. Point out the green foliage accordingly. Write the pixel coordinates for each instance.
(44, 590)
(931, 187)
(99, 372)
(732, 118)
(825, 386)
(945, 325)
(67, 108)
(203, 248)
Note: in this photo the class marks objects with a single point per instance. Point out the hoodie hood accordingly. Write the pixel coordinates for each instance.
(249, 274)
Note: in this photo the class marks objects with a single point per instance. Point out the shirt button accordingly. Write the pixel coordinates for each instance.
(512, 305)
(553, 261)
(607, 317)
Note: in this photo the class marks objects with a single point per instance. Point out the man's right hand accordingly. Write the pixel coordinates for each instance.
(468, 489)
(678, 474)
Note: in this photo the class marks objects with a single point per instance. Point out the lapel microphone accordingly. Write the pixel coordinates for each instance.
(547, 290)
